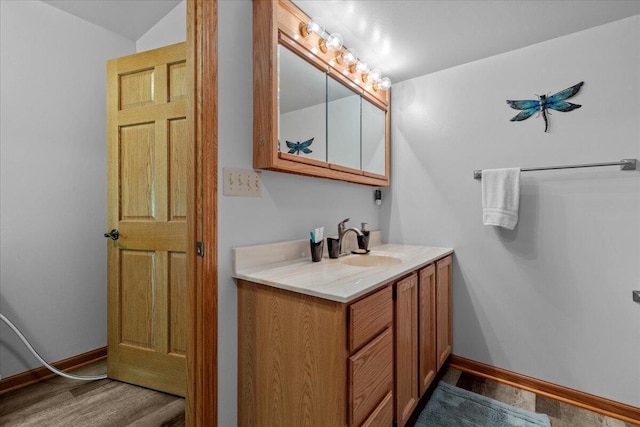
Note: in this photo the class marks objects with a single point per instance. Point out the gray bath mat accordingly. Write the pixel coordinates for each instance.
(451, 406)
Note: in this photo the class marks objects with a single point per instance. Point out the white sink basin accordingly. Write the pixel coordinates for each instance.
(371, 260)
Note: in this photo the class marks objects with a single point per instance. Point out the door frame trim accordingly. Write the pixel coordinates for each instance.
(202, 195)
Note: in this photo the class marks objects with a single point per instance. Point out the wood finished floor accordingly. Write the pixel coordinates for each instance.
(60, 402)
(560, 414)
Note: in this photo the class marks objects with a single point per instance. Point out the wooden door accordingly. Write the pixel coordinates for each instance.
(443, 307)
(147, 178)
(406, 361)
(427, 327)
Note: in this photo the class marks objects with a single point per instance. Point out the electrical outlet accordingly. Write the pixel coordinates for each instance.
(242, 182)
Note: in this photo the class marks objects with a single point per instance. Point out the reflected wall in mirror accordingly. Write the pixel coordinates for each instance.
(302, 107)
(373, 138)
(301, 93)
(343, 125)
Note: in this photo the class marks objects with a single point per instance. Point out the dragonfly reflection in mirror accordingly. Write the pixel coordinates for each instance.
(297, 147)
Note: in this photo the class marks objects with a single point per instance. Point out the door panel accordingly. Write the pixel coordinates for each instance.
(136, 173)
(177, 81)
(136, 89)
(177, 302)
(136, 298)
(178, 169)
(147, 178)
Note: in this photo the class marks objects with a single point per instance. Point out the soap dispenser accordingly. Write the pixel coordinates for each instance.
(363, 241)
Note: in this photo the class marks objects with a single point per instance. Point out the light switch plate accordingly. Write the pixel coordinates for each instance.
(242, 182)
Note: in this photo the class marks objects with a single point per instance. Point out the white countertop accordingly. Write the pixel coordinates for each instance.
(288, 266)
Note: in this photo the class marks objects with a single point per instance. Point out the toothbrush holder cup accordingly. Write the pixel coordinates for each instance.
(316, 250)
(334, 247)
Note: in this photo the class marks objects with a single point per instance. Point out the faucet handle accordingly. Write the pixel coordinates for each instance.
(341, 228)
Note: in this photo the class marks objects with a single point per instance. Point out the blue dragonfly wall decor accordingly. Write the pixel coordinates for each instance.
(544, 103)
(296, 147)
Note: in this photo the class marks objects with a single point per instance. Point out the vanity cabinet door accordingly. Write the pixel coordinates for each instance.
(406, 316)
(443, 309)
(427, 327)
(292, 361)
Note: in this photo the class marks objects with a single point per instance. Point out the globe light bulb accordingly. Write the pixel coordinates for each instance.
(349, 56)
(334, 42)
(362, 67)
(374, 76)
(385, 83)
(315, 26)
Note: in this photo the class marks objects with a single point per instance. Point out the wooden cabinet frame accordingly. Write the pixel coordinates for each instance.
(275, 21)
(305, 360)
(423, 333)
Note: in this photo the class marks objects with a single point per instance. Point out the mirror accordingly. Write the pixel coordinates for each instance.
(302, 107)
(313, 114)
(373, 138)
(343, 125)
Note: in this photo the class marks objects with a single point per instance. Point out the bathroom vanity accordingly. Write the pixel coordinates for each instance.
(354, 341)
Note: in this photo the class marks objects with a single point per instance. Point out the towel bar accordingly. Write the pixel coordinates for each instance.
(625, 165)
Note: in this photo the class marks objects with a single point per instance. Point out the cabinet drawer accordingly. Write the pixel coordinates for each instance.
(370, 377)
(369, 317)
(382, 416)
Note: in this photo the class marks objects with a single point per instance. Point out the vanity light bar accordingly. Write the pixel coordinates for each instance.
(345, 56)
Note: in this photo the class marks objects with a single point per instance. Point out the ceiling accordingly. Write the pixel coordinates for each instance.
(129, 18)
(406, 39)
(402, 38)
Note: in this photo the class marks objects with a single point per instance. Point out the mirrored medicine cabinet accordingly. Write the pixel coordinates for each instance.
(312, 116)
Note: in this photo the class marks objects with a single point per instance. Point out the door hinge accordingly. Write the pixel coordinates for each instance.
(395, 422)
(200, 249)
(394, 292)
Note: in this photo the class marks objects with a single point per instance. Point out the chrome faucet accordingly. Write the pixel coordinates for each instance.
(341, 232)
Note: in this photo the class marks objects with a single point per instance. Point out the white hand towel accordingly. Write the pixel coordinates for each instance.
(501, 197)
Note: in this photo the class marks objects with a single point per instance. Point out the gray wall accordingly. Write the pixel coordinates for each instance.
(169, 30)
(290, 206)
(551, 299)
(52, 182)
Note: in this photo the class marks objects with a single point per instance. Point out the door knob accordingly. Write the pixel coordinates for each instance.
(113, 234)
